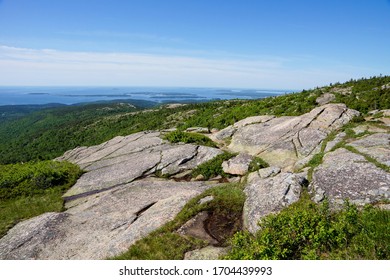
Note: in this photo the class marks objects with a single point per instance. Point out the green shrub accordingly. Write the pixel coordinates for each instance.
(26, 179)
(185, 137)
(30, 189)
(305, 230)
(212, 167)
(256, 164)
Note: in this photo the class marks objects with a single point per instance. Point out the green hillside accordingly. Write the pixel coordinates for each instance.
(47, 133)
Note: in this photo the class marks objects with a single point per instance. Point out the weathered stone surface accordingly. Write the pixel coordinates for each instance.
(342, 90)
(198, 129)
(376, 146)
(182, 175)
(237, 165)
(224, 133)
(252, 120)
(268, 172)
(230, 130)
(118, 146)
(385, 112)
(369, 128)
(124, 159)
(202, 155)
(331, 144)
(235, 179)
(346, 175)
(382, 116)
(206, 199)
(31, 235)
(102, 225)
(325, 98)
(200, 177)
(195, 228)
(207, 253)
(173, 157)
(269, 195)
(283, 141)
(132, 167)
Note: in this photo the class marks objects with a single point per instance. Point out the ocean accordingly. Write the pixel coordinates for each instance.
(73, 95)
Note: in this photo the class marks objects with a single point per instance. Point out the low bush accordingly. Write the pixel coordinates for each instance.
(30, 189)
(185, 137)
(27, 179)
(212, 167)
(306, 230)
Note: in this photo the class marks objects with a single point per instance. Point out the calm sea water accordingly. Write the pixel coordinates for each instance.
(72, 95)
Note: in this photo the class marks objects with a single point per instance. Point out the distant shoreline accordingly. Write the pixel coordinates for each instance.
(76, 95)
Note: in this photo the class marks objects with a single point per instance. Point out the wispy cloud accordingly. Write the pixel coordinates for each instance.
(115, 35)
(22, 66)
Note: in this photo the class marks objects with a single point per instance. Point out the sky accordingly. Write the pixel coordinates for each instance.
(279, 44)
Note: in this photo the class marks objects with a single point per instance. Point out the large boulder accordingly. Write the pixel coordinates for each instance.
(102, 225)
(125, 159)
(230, 130)
(285, 140)
(269, 195)
(347, 175)
(325, 98)
(238, 165)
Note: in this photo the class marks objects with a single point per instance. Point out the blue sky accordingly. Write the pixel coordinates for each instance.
(203, 43)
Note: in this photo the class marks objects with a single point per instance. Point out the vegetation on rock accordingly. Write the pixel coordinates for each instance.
(256, 164)
(212, 168)
(305, 230)
(186, 137)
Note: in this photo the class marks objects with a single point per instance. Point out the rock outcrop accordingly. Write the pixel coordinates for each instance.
(284, 141)
(376, 146)
(125, 194)
(266, 195)
(115, 203)
(347, 175)
(325, 98)
(238, 165)
(101, 225)
(124, 159)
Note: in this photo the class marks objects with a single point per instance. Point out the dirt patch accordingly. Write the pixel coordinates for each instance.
(222, 226)
(213, 227)
(195, 228)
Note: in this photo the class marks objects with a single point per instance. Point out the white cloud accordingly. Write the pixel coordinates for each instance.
(22, 66)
